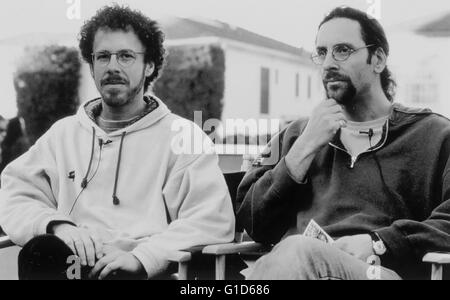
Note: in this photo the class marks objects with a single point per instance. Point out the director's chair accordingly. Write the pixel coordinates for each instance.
(249, 248)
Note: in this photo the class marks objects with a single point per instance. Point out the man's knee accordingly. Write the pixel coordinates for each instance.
(296, 257)
(44, 257)
(299, 247)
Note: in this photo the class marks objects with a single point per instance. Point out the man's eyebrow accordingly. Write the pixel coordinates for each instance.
(102, 51)
(320, 48)
(350, 45)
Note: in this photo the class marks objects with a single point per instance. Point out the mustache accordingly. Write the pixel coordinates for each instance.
(113, 79)
(334, 76)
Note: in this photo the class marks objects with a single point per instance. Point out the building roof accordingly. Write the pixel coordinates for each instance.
(174, 28)
(183, 28)
(40, 39)
(439, 27)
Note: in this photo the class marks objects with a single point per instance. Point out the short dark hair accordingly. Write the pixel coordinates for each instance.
(373, 34)
(117, 17)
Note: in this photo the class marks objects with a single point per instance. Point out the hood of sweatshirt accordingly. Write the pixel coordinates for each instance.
(90, 108)
(86, 116)
(402, 115)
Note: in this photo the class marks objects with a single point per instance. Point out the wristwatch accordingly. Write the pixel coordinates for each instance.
(378, 246)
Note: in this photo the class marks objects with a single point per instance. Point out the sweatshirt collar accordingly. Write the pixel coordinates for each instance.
(89, 110)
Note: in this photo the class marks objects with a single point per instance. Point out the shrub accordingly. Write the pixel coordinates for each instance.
(193, 80)
(46, 83)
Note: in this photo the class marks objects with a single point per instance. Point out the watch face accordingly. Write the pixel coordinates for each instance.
(379, 248)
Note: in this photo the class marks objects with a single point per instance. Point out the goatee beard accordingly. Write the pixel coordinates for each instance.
(113, 99)
(343, 96)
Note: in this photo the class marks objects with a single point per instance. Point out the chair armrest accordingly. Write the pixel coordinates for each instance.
(5, 242)
(184, 255)
(233, 248)
(179, 256)
(195, 249)
(437, 258)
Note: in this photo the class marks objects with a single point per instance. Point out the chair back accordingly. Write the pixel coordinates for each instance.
(233, 180)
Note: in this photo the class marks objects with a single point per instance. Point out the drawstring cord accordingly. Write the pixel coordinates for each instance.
(85, 180)
(116, 200)
(84, 183)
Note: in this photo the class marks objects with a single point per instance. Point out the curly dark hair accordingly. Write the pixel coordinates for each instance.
(373, 34)
(117, 17)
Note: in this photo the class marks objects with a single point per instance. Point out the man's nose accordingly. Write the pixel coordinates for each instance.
(113, 63)
(329, 63)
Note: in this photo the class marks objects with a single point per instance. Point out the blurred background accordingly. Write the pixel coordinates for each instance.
(238, 61)
(245, 63)
(235, 59)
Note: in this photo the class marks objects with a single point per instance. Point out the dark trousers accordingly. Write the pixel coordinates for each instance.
(46, 258)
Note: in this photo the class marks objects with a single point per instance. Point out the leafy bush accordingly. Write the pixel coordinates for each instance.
(46, 83)
(193, 80)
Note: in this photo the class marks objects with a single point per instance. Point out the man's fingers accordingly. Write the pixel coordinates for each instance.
(342, 244)
(102, 263)
(329, 102)
(335, 122)
(339, 243)
(89, 248)
(341, 120)
(110, 268)
(71, 245)
(334, 109)
(339, 116)
(99, 266)
(81, 252)
(98, 247)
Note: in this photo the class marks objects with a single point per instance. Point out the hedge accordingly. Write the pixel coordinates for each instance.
(47, 83)
(193, 80)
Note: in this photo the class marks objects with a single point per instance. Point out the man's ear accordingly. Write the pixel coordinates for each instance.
(379, 60)
(149, 68)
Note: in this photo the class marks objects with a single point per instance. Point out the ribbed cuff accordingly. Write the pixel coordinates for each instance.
(398, 248)
(42, 225)
(154, 262)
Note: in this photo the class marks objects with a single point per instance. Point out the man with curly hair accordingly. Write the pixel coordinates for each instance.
(105, 185)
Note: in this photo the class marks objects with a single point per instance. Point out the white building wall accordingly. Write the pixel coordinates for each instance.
(243, 84)
(422, 62)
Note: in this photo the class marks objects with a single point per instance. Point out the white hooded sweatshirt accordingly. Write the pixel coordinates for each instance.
(139, 194)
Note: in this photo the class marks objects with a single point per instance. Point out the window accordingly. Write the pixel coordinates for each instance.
(265, 90)
(309, 86)
(297, 85)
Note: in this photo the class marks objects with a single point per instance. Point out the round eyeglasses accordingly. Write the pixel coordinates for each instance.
(124, 58)
(339, 53)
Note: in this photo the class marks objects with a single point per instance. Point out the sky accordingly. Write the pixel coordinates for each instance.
(293, 22)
